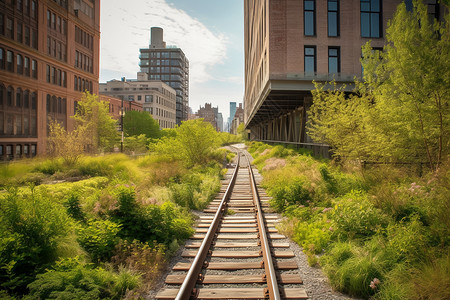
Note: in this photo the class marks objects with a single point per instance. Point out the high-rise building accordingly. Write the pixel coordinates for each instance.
(49, 55)
(170, 65)
(156, 97)
(232, 112)
(290, 43)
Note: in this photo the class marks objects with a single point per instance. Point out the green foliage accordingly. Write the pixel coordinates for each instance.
(136, 144)
(82, 282)
(99, 238)
(193, 144)
(34, 232)
(136, 123)
(241, 132)
(100, 128)
(289, 192)
(74, 207)
(313, 237)
(401, 110)
(356, 216)
(228, 138)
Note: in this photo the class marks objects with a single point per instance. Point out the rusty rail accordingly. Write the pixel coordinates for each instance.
(187, 288)
(272, 284)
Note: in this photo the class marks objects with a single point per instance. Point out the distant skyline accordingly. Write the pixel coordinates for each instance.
(210, 33)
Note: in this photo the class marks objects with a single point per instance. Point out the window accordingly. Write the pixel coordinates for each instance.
(148, 98)
(371, 24)
(34, 38)
(19, 64)
(433, 10)
(10, 61)
(26, 66)
(26, 99)
(34, 69)
(19, 32)
(333, 17)
(34, 101)
(48, 73)
(309, 17)
(334, 60)
(19, 98)
(310, 59)
(2, 58)
(2, 26)
(27, 35)
(409, 5)
(10, 28)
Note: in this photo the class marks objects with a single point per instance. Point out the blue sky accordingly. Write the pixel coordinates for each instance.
(210, 32)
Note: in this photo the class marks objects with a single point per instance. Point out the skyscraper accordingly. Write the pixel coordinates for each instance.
(170, 65)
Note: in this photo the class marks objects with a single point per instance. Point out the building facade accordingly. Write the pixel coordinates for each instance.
(290, 43)
(49, 55)
(211, 115)
(156, 97)
(237, 119)
(170, 65)
(232, 112)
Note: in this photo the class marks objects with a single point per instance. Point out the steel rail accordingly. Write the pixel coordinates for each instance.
(272, 284)
(186, 289)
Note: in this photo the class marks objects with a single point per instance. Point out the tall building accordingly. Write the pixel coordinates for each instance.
(170, 65)
(49, 55)
(290, 43)
(237, 120)
(211, 115)
(232, 112)
(156, 97)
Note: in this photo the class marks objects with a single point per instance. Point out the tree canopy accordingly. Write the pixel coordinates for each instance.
(140, 122)
(400, 111)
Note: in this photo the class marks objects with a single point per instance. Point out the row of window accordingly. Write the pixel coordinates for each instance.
(56, 76)
(56, 49)
(370, 13)
(26, 7)
(62, 3)
(56, 23)
(160, 55)
(18, 99)
(23, 65)
(10, 152)
(334, 59)
(170, 70)
(82, 85)
(84, 62)
(24, 34)
(84, 38)
(85, 8)
(56, 105)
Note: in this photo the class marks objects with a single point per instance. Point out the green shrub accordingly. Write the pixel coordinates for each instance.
(49, 166)
(82, 282)
(406, 241)
(74, 207)
(314, 237)
(355, 216)
(99, 238)
(34, 232)
(288, 191)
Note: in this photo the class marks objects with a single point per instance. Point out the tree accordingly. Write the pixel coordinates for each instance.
(403, 103)
(68, 145)
(101, 128)
(140, 122)
(193, 143)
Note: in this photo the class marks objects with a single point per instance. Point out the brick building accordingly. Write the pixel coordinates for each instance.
(49, 55)
(290, 43)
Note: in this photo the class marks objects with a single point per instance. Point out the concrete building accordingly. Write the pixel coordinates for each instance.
(170, 65)
(156, 97)
(49, 55)
(116, 105)
(290, 43)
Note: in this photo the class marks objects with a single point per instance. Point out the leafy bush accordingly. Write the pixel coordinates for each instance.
(82, 282)
(356, 216)
(288, 191)
(74, 207)
(314, 237)
(34, 232)
(99, 238)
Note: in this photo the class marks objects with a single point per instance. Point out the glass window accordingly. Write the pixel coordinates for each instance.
(334, 64)
(333, 17)
(34, 68)
(26, 66)
(371, 18)
(27, 35)
(19, 98)
(19, 64)
(10, 61)
(19, 32)
(2, 58)
(10, 28)
(310, 59)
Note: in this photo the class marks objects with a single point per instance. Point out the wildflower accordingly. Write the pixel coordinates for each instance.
(372, 285)
(330, 229)
(326, 209)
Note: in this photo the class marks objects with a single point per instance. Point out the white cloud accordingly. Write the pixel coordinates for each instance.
(126, 29)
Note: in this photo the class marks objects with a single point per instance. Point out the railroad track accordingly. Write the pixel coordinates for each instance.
(236, 252)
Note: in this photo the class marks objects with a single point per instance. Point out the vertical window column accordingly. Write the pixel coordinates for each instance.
(310, 60)
(371, 18)
(333, 18)
(334, 60)
(309, 20)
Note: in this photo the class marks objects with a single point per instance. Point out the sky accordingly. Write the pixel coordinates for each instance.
(210, 33)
